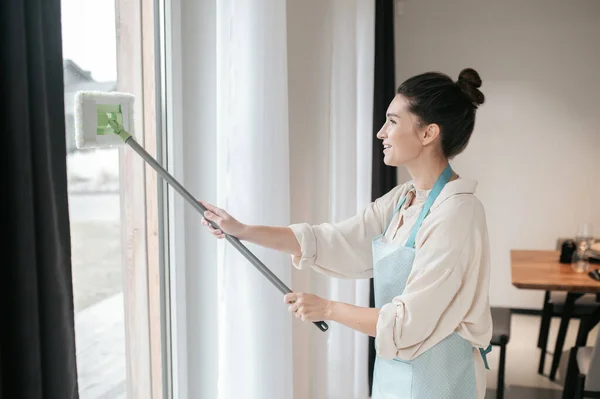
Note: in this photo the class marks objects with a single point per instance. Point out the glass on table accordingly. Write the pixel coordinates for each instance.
(580, 261)
(584, 238)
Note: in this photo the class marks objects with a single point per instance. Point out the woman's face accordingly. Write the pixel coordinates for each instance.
(400, 134)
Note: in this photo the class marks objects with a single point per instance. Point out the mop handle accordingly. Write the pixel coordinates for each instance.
(200, 208)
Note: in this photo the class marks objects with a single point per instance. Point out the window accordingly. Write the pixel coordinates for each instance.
(114, 206)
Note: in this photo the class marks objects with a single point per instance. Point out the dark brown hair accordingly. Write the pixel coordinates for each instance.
(435, 98)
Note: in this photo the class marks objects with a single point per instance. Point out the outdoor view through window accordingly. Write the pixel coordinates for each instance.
(89, 52)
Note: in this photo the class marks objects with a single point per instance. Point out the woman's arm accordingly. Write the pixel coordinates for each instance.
(344, 249)
(341, 249)
(310, 307)
(356, 317)
(277, 238)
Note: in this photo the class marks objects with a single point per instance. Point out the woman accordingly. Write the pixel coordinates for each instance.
(425, 243)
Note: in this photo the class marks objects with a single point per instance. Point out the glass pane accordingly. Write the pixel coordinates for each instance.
(89, 51)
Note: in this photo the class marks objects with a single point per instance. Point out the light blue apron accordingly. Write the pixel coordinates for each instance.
(445, 371)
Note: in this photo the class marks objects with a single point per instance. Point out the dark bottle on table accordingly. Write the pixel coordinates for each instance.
(566, 251)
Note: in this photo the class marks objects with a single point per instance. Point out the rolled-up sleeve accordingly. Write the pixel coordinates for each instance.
(435, 299)
(344, 249)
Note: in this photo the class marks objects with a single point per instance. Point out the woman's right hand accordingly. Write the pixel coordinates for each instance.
(227, 223)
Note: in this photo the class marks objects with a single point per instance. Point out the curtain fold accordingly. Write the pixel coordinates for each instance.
(384, 177)
(37, 338)
(331, 105)
(349, 178)
(314, 166)
(255, 345)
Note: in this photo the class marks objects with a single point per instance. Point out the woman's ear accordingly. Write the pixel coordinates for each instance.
(430, 133)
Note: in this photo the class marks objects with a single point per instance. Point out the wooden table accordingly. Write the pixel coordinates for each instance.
(541, 270)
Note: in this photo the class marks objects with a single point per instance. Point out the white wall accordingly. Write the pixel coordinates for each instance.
(536, 146)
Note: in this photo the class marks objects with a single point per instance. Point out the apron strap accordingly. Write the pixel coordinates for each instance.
(435, 192)
(484, 353)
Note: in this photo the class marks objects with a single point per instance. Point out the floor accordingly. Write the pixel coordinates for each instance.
(522, 359)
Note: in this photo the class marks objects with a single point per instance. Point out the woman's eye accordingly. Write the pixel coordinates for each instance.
(392, 122)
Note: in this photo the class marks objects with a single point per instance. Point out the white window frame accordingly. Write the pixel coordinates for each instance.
(188, 98)
(170, 294)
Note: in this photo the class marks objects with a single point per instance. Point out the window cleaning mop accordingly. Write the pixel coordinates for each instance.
(106, 120)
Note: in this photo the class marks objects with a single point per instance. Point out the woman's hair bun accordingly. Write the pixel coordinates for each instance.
(470, 82)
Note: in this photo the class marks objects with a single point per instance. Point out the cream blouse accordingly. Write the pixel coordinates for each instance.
(448, 288)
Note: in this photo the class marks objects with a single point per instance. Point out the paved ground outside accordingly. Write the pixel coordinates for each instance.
(98, 286)
(95, 248)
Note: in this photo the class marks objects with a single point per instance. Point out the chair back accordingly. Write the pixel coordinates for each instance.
(592, 379)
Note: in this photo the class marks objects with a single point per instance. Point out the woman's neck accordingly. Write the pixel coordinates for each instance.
(426, 171)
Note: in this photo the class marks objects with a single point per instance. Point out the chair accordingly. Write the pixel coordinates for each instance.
(583, 372)
(500, 337)
(554, 306)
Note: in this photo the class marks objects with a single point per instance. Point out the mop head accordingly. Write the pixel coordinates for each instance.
(103, 119)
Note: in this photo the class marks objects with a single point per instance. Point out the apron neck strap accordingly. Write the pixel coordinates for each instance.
(435, 192)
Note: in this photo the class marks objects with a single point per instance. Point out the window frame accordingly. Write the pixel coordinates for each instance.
(139, 25)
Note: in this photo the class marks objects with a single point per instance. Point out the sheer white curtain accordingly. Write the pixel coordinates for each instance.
(324, 70)
(331, 91)
(255, 355)
(350, 175)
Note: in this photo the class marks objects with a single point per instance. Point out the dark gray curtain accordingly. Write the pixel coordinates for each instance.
(384, 177)
(37, 339)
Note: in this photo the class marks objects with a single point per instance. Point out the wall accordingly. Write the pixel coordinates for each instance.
(536, 146)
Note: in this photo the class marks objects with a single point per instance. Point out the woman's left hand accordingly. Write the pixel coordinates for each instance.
(308, 307)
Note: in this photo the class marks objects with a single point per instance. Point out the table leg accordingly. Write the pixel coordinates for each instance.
(544, 329)
(562, 332)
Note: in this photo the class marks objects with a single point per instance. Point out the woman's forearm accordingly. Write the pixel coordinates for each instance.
(356, 317)
(278, 238)
(283, 239)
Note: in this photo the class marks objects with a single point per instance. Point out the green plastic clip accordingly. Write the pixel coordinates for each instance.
(110, 121)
